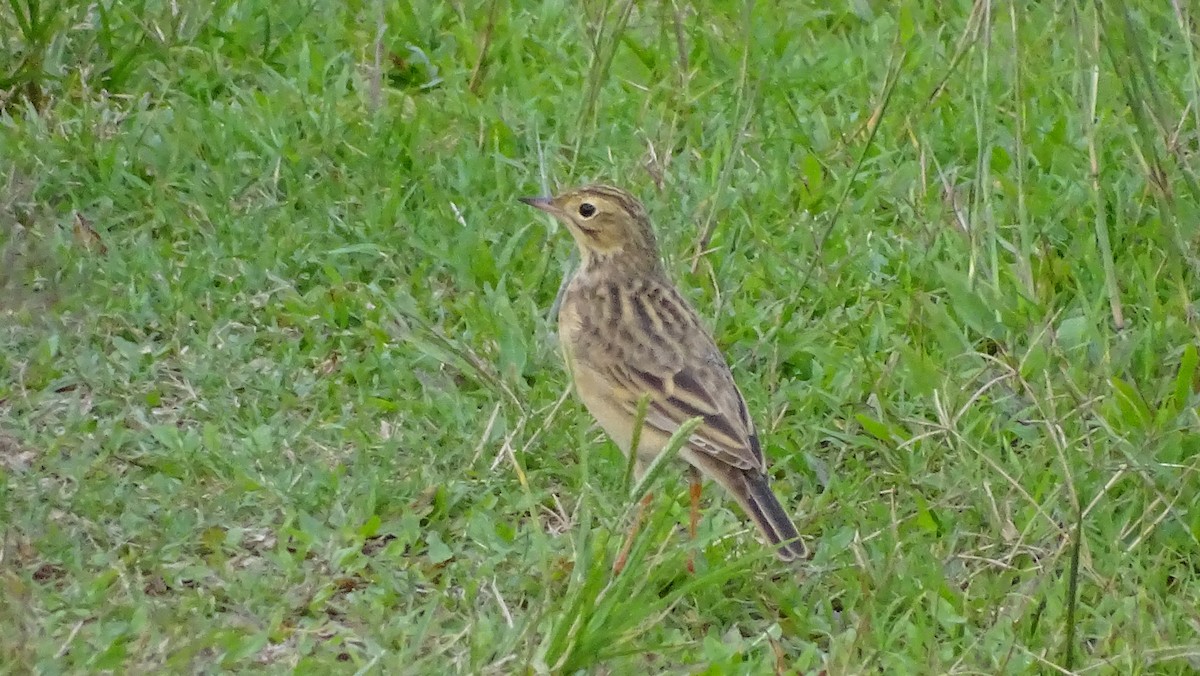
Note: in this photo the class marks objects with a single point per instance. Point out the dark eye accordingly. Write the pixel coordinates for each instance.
(587, 210)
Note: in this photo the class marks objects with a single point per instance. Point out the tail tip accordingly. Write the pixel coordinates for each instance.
(792, 550)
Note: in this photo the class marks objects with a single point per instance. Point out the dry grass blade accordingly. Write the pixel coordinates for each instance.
(604, 48)
(481, 62)
(894, 70)
(427, 336)
(743, 114)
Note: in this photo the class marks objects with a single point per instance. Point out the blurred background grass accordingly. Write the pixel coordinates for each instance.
(279, 388)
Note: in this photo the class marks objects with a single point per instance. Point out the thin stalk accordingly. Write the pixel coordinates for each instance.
(1101, 222)
(1024, 236)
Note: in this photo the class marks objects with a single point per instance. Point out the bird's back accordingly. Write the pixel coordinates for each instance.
(625, 338)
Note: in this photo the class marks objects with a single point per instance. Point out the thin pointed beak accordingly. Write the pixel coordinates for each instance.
(542, 203)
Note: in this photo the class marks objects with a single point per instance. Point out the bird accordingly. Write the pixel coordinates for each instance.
(627, 333)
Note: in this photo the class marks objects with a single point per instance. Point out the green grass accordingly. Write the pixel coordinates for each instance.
(298, 402)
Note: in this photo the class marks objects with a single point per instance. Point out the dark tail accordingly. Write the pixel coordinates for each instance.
(764, 509)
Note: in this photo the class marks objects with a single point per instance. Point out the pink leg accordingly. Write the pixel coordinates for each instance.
(693, 518)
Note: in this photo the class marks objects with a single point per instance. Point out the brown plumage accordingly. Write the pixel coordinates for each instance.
(626, 332)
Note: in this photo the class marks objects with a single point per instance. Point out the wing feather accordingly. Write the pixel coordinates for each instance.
(674, 361)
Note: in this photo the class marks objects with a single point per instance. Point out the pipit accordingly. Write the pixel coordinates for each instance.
(627, 333)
